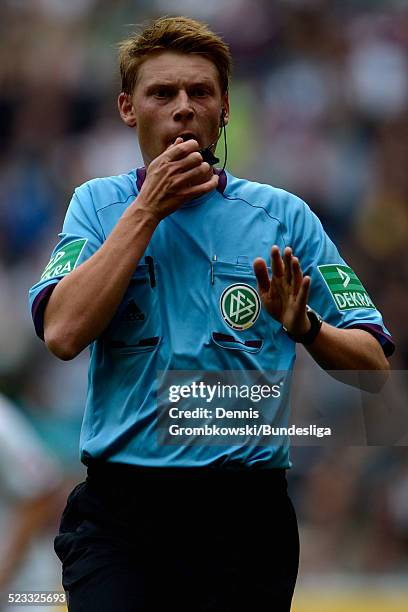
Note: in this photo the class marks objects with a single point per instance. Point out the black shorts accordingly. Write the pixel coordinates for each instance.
(200, 540)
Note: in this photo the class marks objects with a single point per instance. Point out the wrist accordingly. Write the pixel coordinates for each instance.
(309, 336)
(144, 213)
(300, 328)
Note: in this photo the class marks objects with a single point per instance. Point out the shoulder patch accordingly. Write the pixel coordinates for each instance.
(345, 287)
(64, 260)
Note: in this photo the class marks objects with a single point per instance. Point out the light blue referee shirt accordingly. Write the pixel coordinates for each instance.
(192, 305)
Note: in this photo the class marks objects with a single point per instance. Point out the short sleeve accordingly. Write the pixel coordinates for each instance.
(80, 238)
(336, 292)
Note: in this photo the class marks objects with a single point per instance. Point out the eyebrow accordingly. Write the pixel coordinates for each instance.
(174, 85)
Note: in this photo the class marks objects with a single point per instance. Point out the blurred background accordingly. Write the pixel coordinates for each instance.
(320, 108)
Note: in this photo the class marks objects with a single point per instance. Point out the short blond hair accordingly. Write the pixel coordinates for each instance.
(173, 34)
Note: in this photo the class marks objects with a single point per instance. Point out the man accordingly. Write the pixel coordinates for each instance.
(146, 267)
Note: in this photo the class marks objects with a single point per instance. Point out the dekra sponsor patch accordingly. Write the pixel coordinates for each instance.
(64, 260)
(345, 287)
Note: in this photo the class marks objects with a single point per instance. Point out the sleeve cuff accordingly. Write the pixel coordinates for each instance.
(38, 307)
(379, 334)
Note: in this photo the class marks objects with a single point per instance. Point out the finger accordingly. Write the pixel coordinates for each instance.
(287, 261)
(178, 140)
(194, 176)
(179, 150)
(277, 266)
(193, 160)
(297, 275)
(303, 294)
(262, 275)
(199, 190)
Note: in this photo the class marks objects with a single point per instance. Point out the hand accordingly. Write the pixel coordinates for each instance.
(285, 294)
(176, 176)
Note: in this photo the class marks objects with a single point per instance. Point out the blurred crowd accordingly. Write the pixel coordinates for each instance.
(319, 107)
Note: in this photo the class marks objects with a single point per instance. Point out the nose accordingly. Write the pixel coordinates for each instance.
(183, 108)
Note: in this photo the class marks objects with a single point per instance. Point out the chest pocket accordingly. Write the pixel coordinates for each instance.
(136, 326)
(237, 320)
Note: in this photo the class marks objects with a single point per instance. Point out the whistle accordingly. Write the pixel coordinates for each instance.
(208, 156)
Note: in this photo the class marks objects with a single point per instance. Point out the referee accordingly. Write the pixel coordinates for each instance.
(146, 273)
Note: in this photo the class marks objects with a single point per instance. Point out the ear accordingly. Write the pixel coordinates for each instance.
(226, 107)
(126, 109)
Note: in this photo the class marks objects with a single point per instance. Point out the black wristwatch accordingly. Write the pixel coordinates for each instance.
(316, 323)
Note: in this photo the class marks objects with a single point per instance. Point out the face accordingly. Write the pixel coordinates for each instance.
(176, 94)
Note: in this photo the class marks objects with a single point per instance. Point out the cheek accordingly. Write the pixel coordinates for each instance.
(211, 117)
(213, 124)
(148, 124)
(147, 118)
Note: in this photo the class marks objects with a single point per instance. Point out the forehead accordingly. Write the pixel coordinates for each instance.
(174, 67)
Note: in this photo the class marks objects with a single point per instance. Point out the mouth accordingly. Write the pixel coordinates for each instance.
(186, 136)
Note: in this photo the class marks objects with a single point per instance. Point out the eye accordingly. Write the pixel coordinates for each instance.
(199, 92)
(162, 93)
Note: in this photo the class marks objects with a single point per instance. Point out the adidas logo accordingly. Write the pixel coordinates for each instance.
(132, 312)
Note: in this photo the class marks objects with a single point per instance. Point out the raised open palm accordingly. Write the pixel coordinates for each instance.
(285, 294)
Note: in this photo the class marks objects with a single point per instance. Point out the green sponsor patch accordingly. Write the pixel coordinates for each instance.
(64, 260)
(345, 287)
